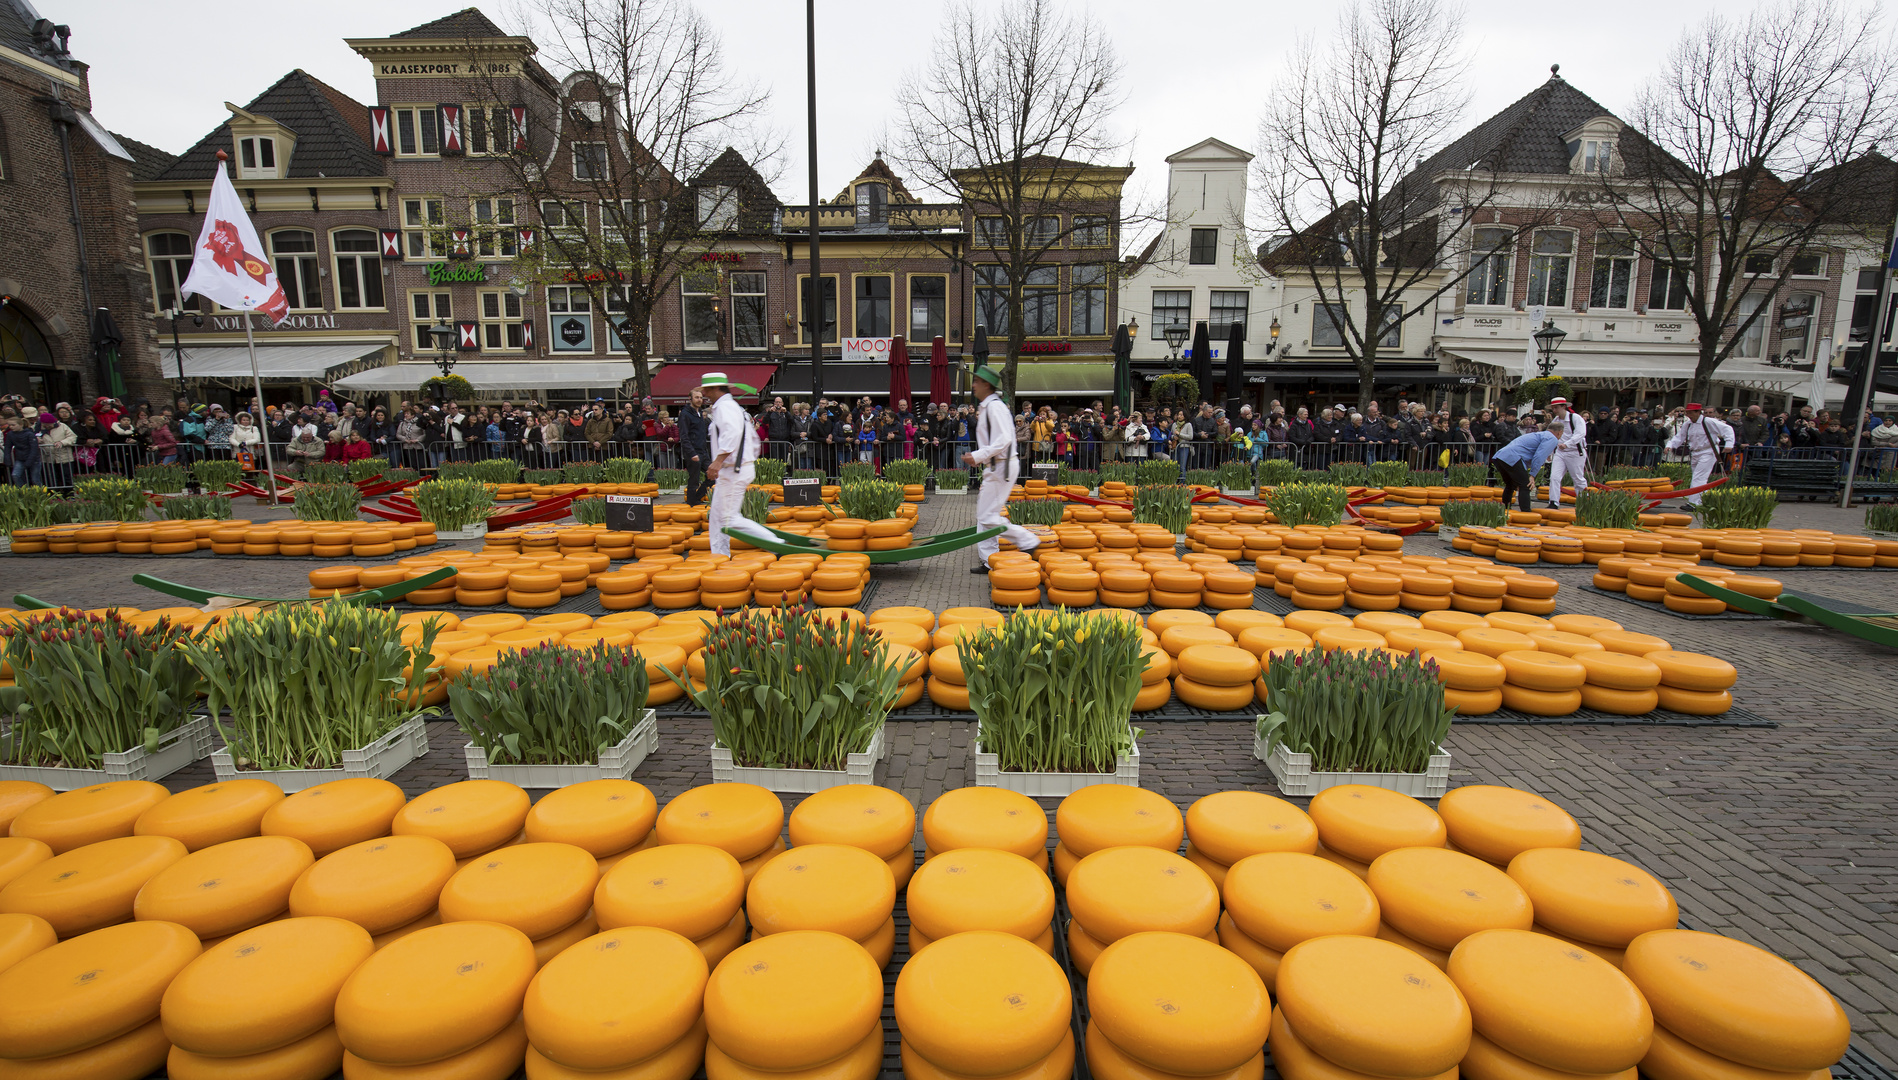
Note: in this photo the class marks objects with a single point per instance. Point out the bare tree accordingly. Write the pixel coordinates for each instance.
(1746, 129)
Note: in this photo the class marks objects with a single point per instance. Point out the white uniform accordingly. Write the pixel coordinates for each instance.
(1566, 462)
(732, 434)
(1704, 440)
(995, 452)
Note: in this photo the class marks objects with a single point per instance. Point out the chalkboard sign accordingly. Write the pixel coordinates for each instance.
(629, 513)
(803, 492)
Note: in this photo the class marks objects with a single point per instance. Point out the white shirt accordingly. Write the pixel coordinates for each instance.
(994, 432)
(1576, 433)
(732, 433)
(1707, 434)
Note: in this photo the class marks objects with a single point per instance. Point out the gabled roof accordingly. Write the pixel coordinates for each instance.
(757, 204)
(148, 161)
(466, 23)
(1863, 191)
(1209, 149)
(331, 129)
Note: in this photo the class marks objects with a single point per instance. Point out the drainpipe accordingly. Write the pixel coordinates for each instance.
(63, 118)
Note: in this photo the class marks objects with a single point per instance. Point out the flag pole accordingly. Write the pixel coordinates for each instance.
(270, 468)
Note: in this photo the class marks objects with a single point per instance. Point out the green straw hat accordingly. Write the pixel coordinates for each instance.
(989, 375)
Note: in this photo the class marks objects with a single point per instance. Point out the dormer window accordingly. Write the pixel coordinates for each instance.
(1596, 154)
(718, 208)
(873, 203)
(257, 157)
(1591, 147)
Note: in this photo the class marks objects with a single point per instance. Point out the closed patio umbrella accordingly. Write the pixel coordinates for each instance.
(899, 372)
(940, 389)
(1202, 362)
(1123, 370)
(1235, 369)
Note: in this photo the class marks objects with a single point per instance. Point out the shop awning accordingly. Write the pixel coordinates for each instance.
(1610, 360)
(1040, 378)
(546, 375)
(674, 381)
(273, 361)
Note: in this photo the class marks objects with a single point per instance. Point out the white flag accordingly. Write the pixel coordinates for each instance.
(1529, 368)
(228, 265)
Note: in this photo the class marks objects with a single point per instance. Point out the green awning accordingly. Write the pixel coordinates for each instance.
(1061, 378)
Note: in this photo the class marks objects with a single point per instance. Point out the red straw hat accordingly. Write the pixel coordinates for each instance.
(1693, 406)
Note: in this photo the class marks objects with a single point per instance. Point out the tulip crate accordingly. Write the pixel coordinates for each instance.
(555, 715)
(1354, 718)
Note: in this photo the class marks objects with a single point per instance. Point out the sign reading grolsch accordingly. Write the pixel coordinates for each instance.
(867, 348)
(629, 513)
(804, 492)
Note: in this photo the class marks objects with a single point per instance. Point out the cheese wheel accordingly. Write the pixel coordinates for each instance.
(1591, 897)
(579, 1007)
(1179, 1003)
(87, 990)
(332, 816)
(1550, 1003)
(1496, 824)
(980, 889)
(1737, 1001)
(88, 815)
(130, 1056)
(868, 816)
(1264, 960)
(1440, 896)
(744, 819)
(226, 887)
(1231, 825)
(212, 814)
(1537, 670)
(1493, 642)
(1627, 641)
(1439, 957)
(17, 854)
(471, 817)
(378, 884)
(1309, 622)
(1259, 640)
(1239, 621)
(1472, 702)
(494, 1059)
(980, 817)
(1120, 891)
(436, 993)
(546, 948)
(794, 1001)
(1373, 1007)
(691, 889)
(861, 1062)
(1110, 815)
(309, 1058)
(537, 888)
(1620, 702)
(1363, 822)
(16, 796)
(1521, 624)
(1282, 898)
(1177, 639)
(1452, 622)
(1487, 1061)
(265, 988)
(1222, 699)
(92, 886)
(1109, 1062)
(1565, 644)
(1693, 702)
(1058, 1065)
(1671, 1057)
(845, 890)
(1585, 625)
(1296, 1061)
(1694, 671)
(1467, 671)
(1540, 702)
(1218, 665)
(601, 817)
(983, 1003)
(1619, 671)
(433, 918)
(23, 935)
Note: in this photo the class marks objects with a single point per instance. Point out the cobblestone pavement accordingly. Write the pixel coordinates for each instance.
(1780, 836)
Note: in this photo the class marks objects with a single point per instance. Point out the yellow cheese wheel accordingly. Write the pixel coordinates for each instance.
(1058, 1065)
(1621, 702)
(601, 817)
(1591, 897)
(1373, 1007)
(794, 1000)
(88, 815)
(1487, 1061)
(980, 889)
(987, 817)
(1627, 641)
(983, 1003)
(433, 918)
(1548, 672)
(495, 1059)
(616, 998)
(1223, 699)
(1230, 825)
(332, 816)
(92, 886)
(744, 819)
(1439, 957)
(1440, 896)
(1550, 1003)
(16, 796)
(1296, 1061)
(1693, 702)
(1178, 1002)
(1109, 815)
(130, 1056)
(1585, 625)
(1109, 1062)
(265, 988)
(226, 887)
(23, 935)
(845, 890)
(18, 853)
(1496, 824)
(867, 816)
(678, 1061)
(1420, 640)
(1619, 671)
(212, 814)
(1260, 640)
(470, 817)
(1237, 622)
(308, 1058)
(1282, 898)
(86, 990)
(552, 945)
(1363, 822)
(1520, 623)
(1674, 1058)
(690, 889)
(378, 884)
(1219, 665)
(861, 1062)
(1737, 1001)
(537, 889)
(1309, 622)
(435, 993)
(1694, 671)
(1127, 890)
(1264, 960)
(1493, 642)
(1468, 671)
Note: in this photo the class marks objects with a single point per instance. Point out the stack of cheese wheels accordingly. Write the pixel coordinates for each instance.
(88, 815)
(448, 996)
(1277, 899)
(332, 816)
(914, 664)
(1374, 590)
(745, 820)
(983, 1004)
(1496, 824)
(16, 796)
(948, 684)
(868, 816)
(1694, 683)
(92, 886)
(1156, 679)
(1121, 891)
(1015, 584)
(626, 1001)
(983, 817)
(212, 814)
(388, 886)
(831, 887)
(1101, 816)
(543, 890)
(1596, 901)
(472, 817)
(1227, 590)
(225, 888)
(1217, 677)
(1228, 826)
(1541, 683)
(1472, 681)
(88, 1007)
(836, 586)
(1175, 585)
(1319, 590)
(1165, 1005)
(263, 1003)
(1432, 898)
(1723, 1008)
(792, 1002)
(1357, 823)
(980, 889)
(1125, 585)
(1477, 593)
(1541, 1006)
(624, 588)
(693, 890)
(1352, 1006)
(607, 819)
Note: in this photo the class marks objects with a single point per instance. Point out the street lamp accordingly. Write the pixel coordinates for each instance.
(1175, 337)
(444, 337)
(1547, 340)
(178, 350)
(1275, 339)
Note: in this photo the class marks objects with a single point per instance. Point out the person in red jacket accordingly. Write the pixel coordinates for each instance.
(356, 448)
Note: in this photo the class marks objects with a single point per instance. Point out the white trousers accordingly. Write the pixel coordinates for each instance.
(1703, 470)
(990, 501)
(1564, 464)
(728, 499)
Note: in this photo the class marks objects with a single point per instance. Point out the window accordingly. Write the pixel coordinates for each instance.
(828, 315)
(1549, 265)
(257, 157)
(417, 131)
(1668, 289)
(1044, 229)
(422, 223)
(171, 265)
(700, 290)
(1171, 307)
(295, 252)
(928, 307)
(1041, 302)
(873, 306)
(620, 219)
(1327, 326)
(425, 310)
(1393, 336)
(748, 300)
(1868, 280)
(501, 322)
(1204, 247)
(1087, 302)
(488, 129)
(589, 161)
(991, 299)
(358, 255)
(1597, 155)
(1490, 282)
(568, 221)
(569, 318)
(1091, 230)
(496, 236)
(1613, 284)
(718, 208)
(873, 204)
(1809, 265)
(1229, 307)
(991, 232)
(1758, 264)
(1753, 338)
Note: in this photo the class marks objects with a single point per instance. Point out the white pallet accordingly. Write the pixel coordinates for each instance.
(615, 763)
(1294, 775)
(379, 760)
(989, 773)
(858, 769)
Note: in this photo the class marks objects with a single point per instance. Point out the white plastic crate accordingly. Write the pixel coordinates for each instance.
(379, 760)
(858, 769)
(950, 491)
(615, 763)
(1294, 776)
(176, 749)
(472, 532)
(1244, 493)
(989, 773)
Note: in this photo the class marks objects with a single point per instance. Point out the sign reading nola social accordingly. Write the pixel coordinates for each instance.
(867, 348)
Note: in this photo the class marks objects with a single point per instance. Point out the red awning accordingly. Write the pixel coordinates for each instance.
(674, 381)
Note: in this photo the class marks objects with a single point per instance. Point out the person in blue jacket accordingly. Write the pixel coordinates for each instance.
(1518, 462)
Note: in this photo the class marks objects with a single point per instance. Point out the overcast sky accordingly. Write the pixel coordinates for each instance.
(1195, 68)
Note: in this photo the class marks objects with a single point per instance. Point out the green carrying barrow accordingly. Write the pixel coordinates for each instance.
(195, 595)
